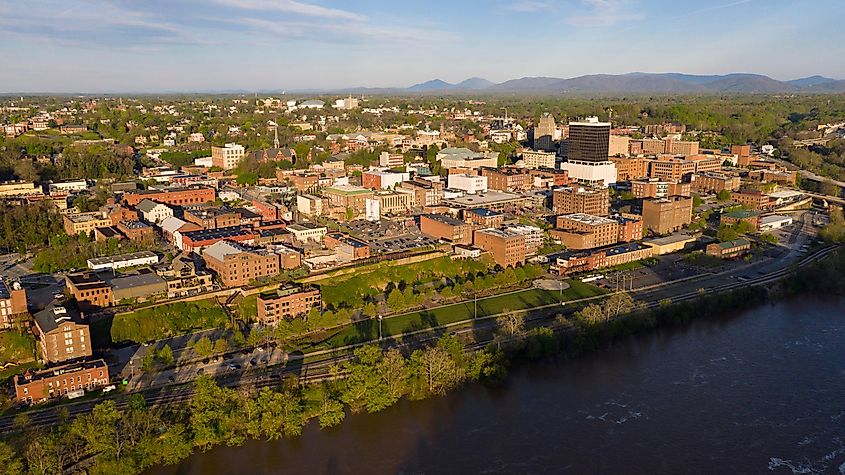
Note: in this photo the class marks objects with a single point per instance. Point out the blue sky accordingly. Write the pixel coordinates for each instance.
(198, 45)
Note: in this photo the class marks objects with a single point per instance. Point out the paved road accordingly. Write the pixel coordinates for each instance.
(761, 273)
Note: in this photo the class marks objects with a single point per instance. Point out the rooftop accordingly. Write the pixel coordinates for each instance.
(219, 233)
(483, 212)
(122, 257)
(445, 219)
(589, 219)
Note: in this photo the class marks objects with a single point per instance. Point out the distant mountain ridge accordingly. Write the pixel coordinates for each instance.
(637, 82)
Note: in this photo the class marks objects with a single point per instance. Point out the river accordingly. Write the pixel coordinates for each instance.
(762, 391)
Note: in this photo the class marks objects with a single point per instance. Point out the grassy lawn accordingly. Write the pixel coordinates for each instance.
(16, 347)
(247, 309)
(527, 299)
(7, 373)
(167, 320)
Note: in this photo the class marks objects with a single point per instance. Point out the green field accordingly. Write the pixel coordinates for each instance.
(527, 299)
(16, 347)
(167, 320)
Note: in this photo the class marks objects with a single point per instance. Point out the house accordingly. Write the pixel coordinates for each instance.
(154, 212)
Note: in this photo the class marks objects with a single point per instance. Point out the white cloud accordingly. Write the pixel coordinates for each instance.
(332, 32)
(602, 13)
(292, 6)
(527, 6)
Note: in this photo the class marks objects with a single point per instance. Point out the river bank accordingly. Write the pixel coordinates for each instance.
(745, 392)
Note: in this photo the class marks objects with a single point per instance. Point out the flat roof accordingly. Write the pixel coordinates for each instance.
(671, 239)
(482, 199)
(219, 233)
(123, 257)
(445, 219)
(483, 212)
(588, 219)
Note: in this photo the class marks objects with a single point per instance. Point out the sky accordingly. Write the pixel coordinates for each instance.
(214, 45)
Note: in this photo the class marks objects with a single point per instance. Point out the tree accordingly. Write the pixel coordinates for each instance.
(9, 461)
(165, 355)
(331, 411)
(723, 195)
(510, 322)
(204, 347)
(221, 345)
(395, 301)
(437, 371)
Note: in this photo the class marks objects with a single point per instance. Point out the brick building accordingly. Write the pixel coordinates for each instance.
(445, 227)
(657, 188)
(507, 249)
(507, 179)
(714, 182)
(12, 303)
(483, 217)
(89, 291)
(570, 200)
(62, 335)
(58, 381)
(287, 302)
(173, 197)
(666, 215)
(237, 265)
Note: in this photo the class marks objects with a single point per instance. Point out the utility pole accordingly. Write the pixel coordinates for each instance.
(380, 318)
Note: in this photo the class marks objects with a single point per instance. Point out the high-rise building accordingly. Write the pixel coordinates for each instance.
(544, 133)
(589, 140)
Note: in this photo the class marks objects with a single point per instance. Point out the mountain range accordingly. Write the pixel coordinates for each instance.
(676, 83)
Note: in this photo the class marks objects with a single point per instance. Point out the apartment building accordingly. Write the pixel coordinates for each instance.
(483, 217)
(657, 188)
(714, 182)
(85, 223)
(754, 199)
(569, 200)
(34, 387)
(89, 291)
(584, 231)
(12, 302)
(286, 303)
(228, 156)
(173, 196)
(62, 334)
(213, 218)
(391, 160)
(507, 179)
(538, 159)
(630, 168)
(441, 226)
(426, 192)
(237, 265)
(507, 249)
(666, 215)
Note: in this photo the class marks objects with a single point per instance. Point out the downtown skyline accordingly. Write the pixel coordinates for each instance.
(217, 45)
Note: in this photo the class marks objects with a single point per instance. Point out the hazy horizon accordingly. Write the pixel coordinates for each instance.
(120, 46)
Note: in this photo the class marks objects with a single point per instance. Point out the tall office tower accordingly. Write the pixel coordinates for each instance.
(544, 134)
(589, 140)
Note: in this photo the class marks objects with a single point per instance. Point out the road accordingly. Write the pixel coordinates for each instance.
(760, 273)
